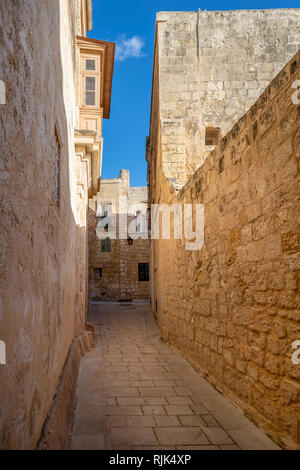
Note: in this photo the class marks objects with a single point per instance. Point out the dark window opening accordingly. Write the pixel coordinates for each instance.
(212, 136)
(97, 273)
(106, 244)
(90, 94)
(90, 98)
(143, 271)
(90, 64)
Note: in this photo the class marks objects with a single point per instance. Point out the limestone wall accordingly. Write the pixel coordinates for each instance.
(39, 238)
(233, 307)
(210, 67)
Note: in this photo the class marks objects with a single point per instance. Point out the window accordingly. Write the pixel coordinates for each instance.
(143, 271)
(97, 273)
(90, 64)
(56, 170)
(90, 91)
(90, 87)
(212, 136)
(106, 244)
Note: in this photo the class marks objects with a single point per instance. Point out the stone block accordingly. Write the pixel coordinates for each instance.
(178, 410)
(181, 436)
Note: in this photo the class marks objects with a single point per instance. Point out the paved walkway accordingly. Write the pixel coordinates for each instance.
(136, 392)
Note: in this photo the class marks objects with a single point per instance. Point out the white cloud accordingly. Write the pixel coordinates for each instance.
(129, 47)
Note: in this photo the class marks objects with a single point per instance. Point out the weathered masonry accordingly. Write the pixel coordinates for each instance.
(118, 265)
(232, 308)
(58, 86)
(209, 68)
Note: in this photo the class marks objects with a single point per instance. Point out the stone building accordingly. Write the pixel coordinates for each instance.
(223, 136)
(58, 87)
(119, 258)
(209, 68)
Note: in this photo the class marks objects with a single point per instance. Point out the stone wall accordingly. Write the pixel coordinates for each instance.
(232, 308)
(119, 266)
(210, 67)
(40, 233)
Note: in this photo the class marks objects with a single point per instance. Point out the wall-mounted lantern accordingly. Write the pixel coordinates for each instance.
(130, 241)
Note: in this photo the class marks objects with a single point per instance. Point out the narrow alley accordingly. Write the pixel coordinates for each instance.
(149, 226)
(136, 392)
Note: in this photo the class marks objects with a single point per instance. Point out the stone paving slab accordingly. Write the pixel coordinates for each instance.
(136, 392)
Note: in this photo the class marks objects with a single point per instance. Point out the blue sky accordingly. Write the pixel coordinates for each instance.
(131, 24)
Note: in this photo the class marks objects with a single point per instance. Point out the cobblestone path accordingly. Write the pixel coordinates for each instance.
(136, 392)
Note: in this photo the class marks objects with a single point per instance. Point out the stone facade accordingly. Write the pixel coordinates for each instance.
(231, 308)
(209, 68)
(48, 171)
(119, 266)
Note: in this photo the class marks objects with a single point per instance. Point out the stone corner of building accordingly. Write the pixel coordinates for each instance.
(61, 413)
